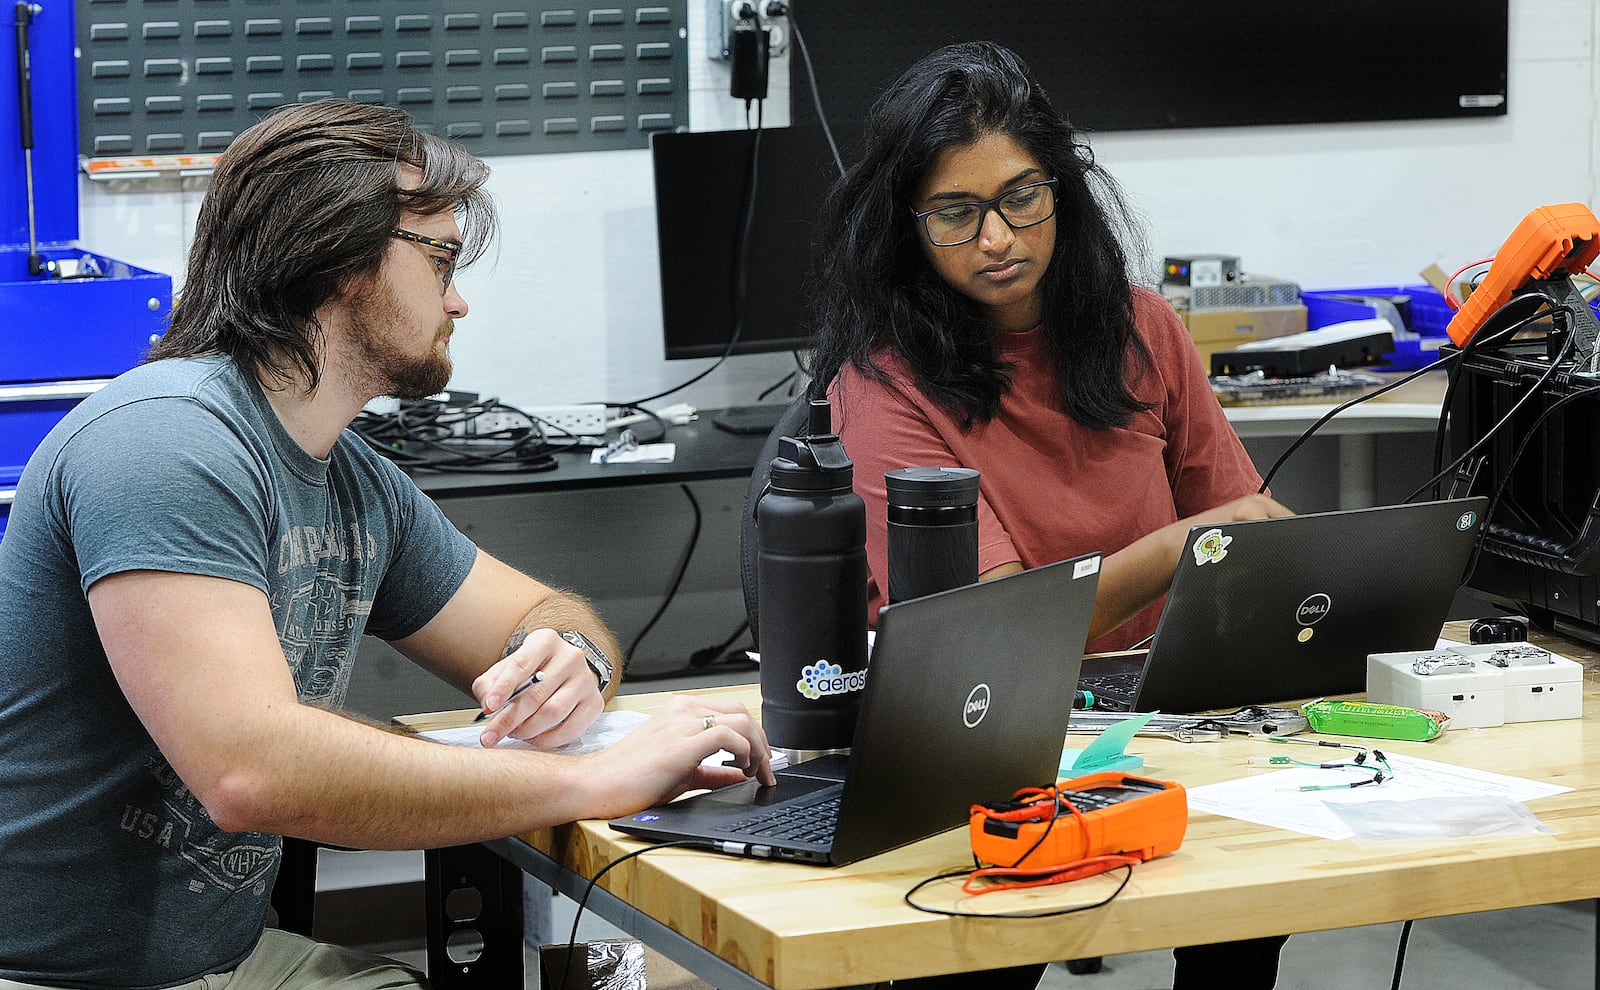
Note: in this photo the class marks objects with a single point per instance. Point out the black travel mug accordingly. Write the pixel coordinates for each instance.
(933, 530)
(811, 579)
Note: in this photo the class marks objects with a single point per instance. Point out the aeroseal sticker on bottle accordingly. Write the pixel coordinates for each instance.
(824, 679)
(1211, 547)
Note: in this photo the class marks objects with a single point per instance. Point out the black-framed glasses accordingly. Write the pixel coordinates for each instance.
(444, 267)
(1024, 206)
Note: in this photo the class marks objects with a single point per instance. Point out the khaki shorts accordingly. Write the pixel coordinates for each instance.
(282, 961)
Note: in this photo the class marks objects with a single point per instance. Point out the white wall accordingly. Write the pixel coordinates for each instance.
(570, 310)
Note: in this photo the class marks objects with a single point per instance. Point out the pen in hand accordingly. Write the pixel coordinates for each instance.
(537, 677)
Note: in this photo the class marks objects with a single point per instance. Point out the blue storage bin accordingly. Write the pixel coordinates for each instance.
(1426, 313)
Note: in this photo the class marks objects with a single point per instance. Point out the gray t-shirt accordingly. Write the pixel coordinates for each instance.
(113, 873)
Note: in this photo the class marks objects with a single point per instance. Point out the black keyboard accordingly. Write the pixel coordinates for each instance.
(1118, 685)
(803, 821)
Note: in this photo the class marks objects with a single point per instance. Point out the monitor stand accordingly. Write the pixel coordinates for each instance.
(760, 419)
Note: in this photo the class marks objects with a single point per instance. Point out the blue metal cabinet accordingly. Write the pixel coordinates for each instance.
(61, 337)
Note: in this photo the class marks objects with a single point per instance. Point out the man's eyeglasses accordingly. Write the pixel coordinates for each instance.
(1024, 206)
(444, 267)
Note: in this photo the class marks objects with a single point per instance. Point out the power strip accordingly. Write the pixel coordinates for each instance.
(587, 420)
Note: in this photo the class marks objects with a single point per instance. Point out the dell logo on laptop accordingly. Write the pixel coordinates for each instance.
(977, 706)
(1313, 609)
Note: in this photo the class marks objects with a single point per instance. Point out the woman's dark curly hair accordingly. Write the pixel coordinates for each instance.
(876, 289)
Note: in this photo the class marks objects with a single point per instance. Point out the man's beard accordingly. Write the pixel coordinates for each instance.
(384, 370)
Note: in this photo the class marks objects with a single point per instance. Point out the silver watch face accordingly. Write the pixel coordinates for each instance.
(597, 660)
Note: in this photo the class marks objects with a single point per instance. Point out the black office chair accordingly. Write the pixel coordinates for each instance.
(791, 423)
(294, 893)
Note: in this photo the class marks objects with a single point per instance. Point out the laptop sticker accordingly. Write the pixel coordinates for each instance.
(1211, 547)
(1085, 567)
(1466, 520)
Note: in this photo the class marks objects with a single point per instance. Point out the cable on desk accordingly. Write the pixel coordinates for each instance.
(429, 435)
(993, 879)
(1055, 913)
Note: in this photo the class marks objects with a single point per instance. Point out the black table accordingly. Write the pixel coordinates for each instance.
(703, 452)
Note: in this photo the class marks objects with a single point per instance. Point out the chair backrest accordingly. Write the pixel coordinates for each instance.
(790, 424)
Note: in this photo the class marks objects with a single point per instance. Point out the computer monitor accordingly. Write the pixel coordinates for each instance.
(700, 184)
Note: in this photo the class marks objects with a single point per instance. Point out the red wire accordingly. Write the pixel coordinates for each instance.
(1046, 875)
(1449, 296)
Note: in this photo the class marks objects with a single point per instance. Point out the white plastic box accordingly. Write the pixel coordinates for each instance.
(1480, 686)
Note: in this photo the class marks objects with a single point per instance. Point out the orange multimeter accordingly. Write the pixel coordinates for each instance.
(1118, 814)
(1549, 242)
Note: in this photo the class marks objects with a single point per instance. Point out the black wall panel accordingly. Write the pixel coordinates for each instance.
(170, 77)
(1139, 64)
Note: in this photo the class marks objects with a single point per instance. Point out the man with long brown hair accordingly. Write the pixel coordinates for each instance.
(194, 553)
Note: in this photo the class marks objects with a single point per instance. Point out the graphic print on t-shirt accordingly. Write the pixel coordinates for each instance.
(180, 824)
(321, 605)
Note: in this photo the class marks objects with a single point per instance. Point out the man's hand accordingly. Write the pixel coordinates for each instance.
(662, 758)
(552, 712)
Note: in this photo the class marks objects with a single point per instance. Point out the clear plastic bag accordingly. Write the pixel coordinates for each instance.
(1439, 817)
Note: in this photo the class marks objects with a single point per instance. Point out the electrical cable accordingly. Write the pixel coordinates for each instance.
(1054, 913)
(1473, 344)
(424, 435)
(1336, 410)
(741, 262)
(782, 10)
(1447, 359)
(1400, 954)
(677, 578)
(1489, 434)
(1449, 297)
(1505, 482)
(572, 939)
(780, 383)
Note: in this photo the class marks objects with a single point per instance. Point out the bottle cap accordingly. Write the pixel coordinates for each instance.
(932, 487)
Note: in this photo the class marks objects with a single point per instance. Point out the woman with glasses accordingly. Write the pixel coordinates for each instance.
(976, 310)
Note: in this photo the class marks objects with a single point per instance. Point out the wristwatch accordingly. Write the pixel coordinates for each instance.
(597, 660)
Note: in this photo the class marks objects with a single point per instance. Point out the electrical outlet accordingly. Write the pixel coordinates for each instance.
(724, 16)
(588, 420)
(488, 424)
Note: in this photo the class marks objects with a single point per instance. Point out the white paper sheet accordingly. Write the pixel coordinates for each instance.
(607, 729)
(1271, 796)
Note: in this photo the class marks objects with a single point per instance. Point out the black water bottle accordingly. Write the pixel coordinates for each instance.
(933, 530)
(811, 576)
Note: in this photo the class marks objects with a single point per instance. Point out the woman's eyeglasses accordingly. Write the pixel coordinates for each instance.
(1024, 206)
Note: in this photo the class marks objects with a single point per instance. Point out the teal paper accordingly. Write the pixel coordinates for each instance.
(1107, 751)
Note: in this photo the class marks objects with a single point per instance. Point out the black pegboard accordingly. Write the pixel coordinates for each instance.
(1143, 64)
(171, 77)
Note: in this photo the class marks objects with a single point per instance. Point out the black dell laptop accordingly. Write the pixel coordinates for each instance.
(1275, 610)
(967, 697)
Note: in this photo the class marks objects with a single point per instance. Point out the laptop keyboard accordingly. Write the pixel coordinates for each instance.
(1118, 686)
(803, 821)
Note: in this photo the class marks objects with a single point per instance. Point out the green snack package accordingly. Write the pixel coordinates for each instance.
(1361, 718)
